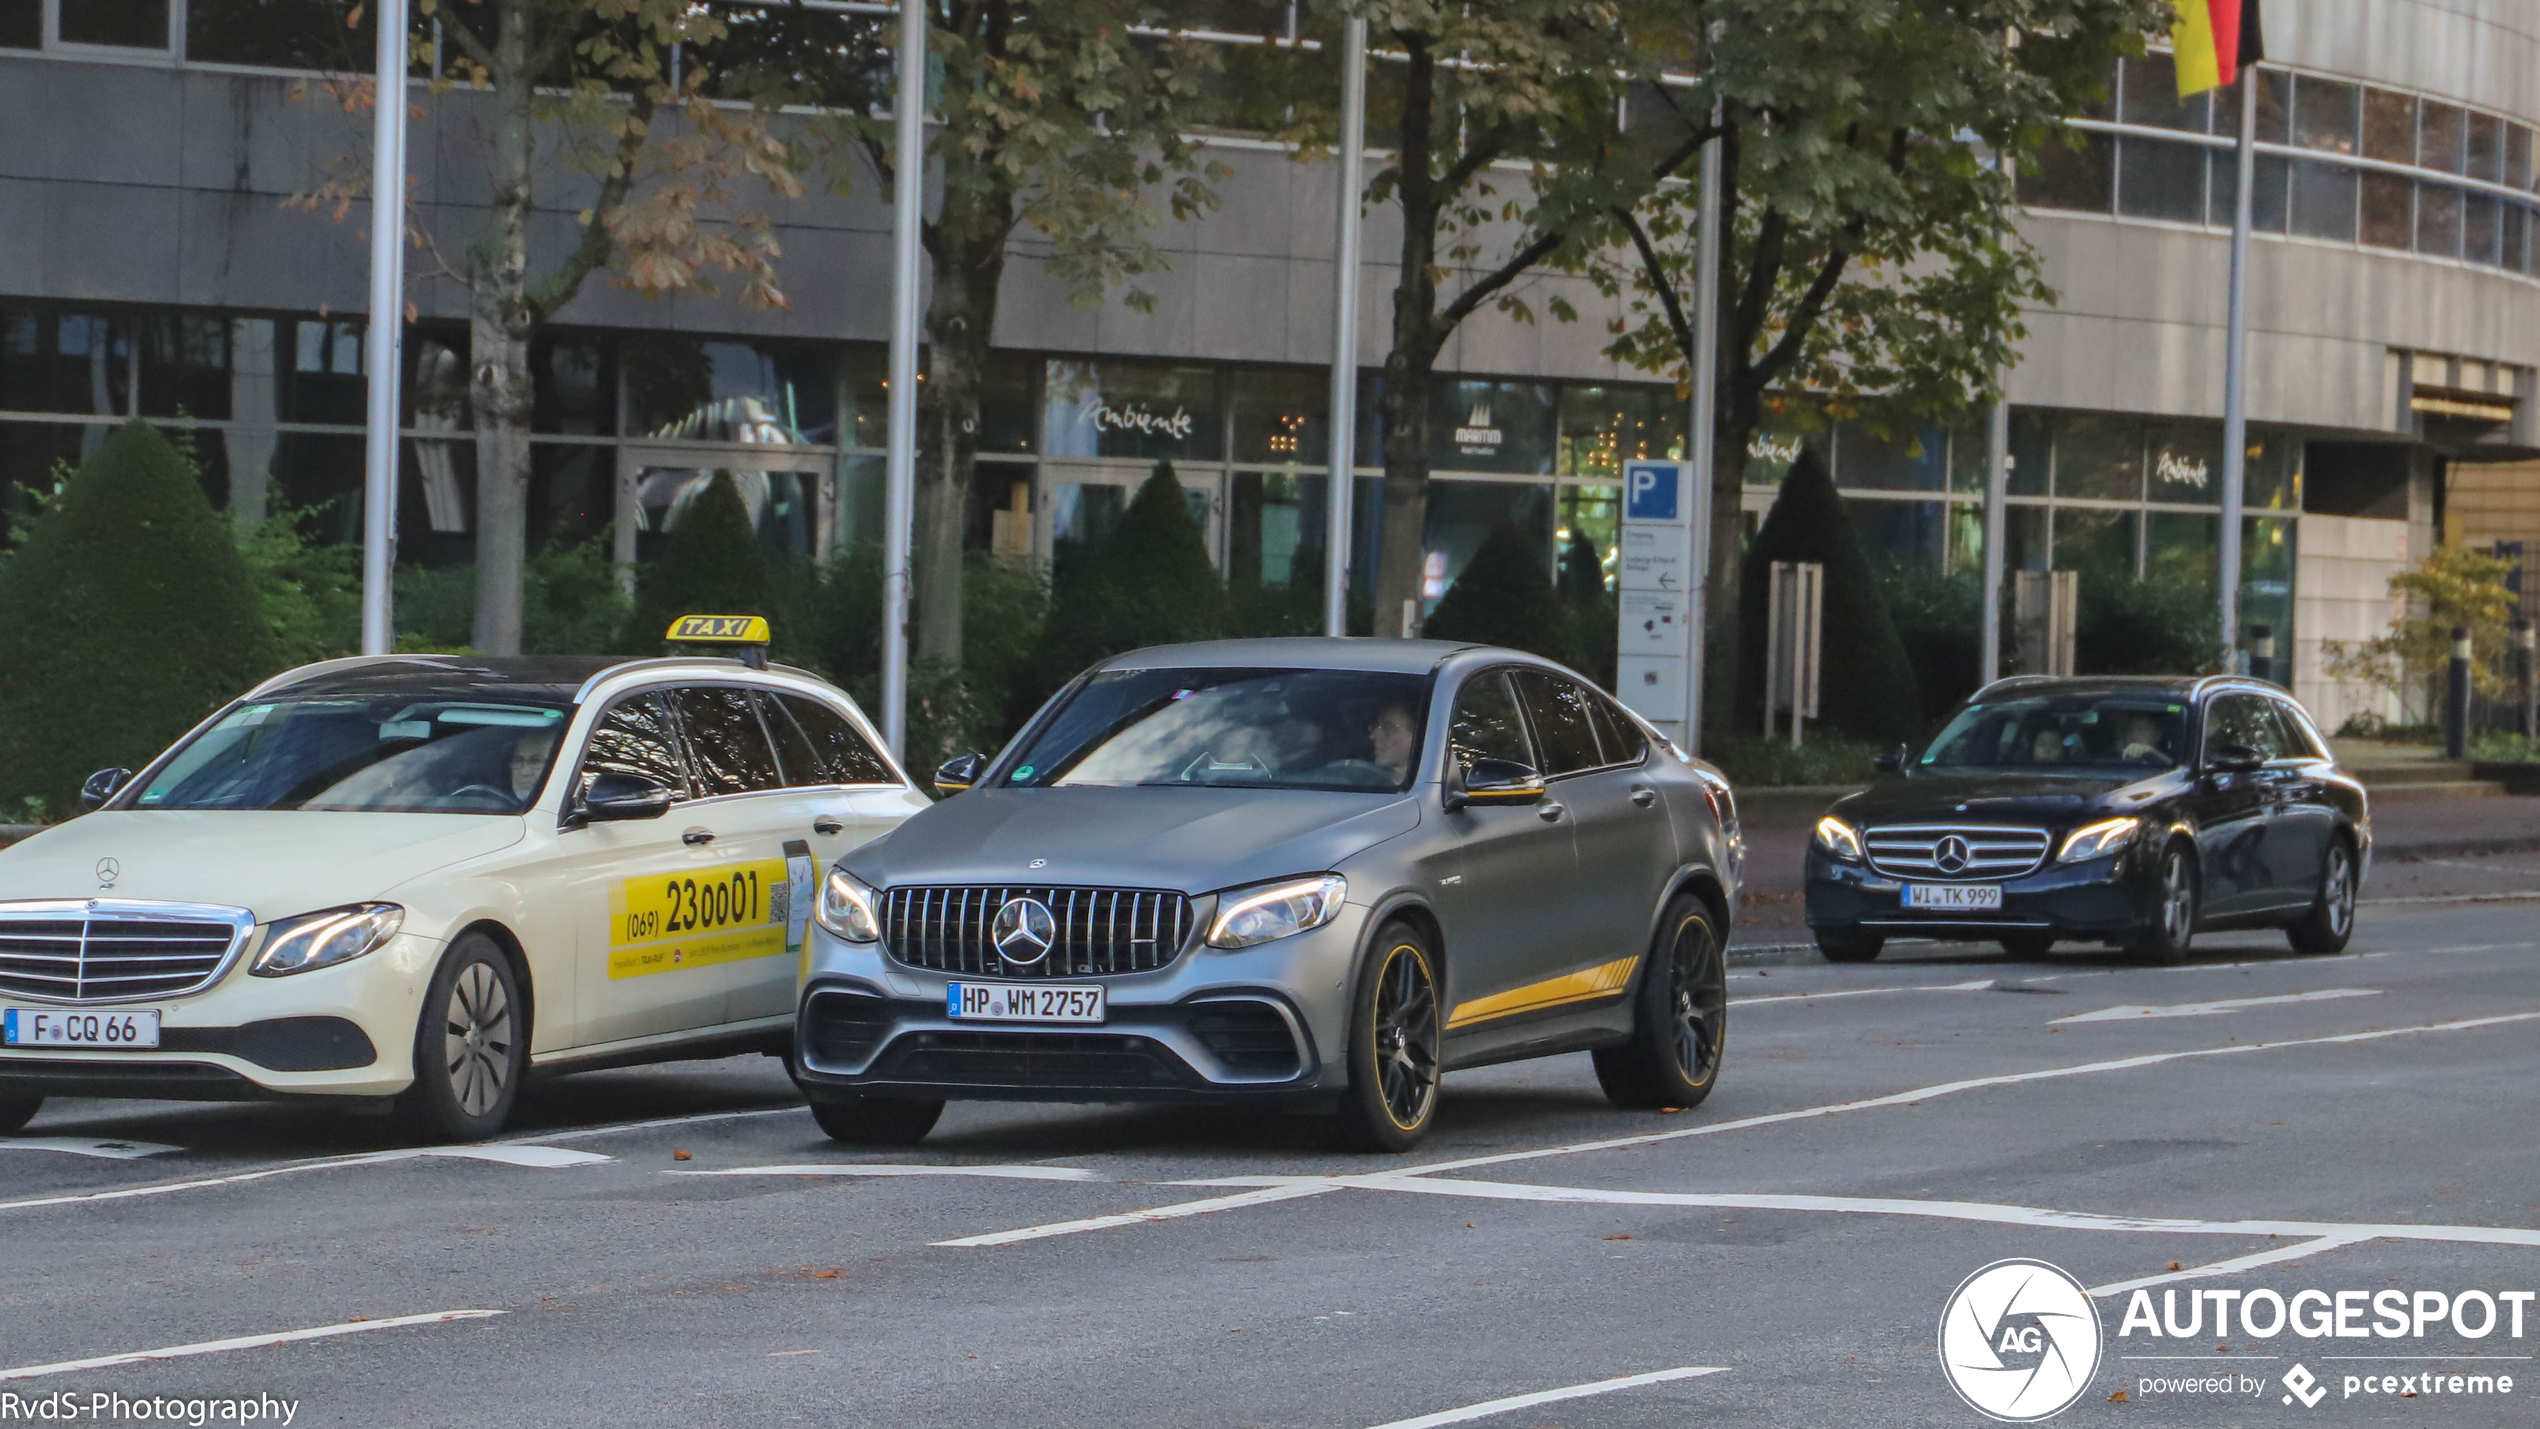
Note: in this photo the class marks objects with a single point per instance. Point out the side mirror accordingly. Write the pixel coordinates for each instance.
(1890, 759)
(1490, 782)
(2233, 759)
(959, 773)
(101, 786)
(615, 798)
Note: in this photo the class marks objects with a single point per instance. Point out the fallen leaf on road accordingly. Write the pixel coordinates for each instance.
(824, 1275)
(2173, 1265)
(1618, 1237)
(355, 1319)
(2119, 1398)
(681, 1156)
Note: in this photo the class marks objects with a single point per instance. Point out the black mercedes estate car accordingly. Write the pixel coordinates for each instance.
(2124, 811)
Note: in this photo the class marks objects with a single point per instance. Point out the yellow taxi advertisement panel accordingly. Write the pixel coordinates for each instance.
(726, 914)
(719, 630)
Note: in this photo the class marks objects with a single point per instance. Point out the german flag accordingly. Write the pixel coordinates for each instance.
(2215, 40)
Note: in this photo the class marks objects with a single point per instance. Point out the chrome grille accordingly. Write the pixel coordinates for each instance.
(1979, 851)
(115, 950)
(1099, 930)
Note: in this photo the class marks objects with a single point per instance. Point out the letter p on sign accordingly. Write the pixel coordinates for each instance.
(1650, 491)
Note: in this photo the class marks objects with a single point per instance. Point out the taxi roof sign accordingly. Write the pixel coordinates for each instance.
(719, 630)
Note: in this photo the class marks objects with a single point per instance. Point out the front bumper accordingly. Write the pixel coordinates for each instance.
(345, 1031)
(1266, 1023)
(2099, 899)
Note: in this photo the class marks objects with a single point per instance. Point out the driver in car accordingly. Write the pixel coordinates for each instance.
(1393, 737)
(2143, 741)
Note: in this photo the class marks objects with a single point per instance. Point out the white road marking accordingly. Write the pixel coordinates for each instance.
(1307, 1186)
(86, 1146)
(544, 1158)
(2287, 963)
(2131, 1011)
(538, 1157)
(245, 1342)
(1008, 1173)
(2233, 1266)
(1979, 985)
(1284, 1192)
(2422, 899)
(1551, 1396)
(615, 1127)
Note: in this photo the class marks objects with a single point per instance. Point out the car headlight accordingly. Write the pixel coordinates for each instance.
(1250, 916)
(321, 940)
(1838, 838)
(2095, 840)
(846, 907)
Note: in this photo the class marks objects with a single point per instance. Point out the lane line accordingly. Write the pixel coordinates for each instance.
(2282, 963)
(245, 1342)
(1007, 1173)
(2131, 1011)
(1261, 1197)
(87, 1146)
(1551, 1396)
(2233, 1266)
(538, 1157)
(584, 1133)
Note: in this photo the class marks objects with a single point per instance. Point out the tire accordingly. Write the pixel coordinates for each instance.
(877, 1121)
(1395, 1026)
(2164, 939)
(16, 1112)
(471, 1046)
(2028, 945)
(2325, 926)
(1680, 1019)
(1850, 947)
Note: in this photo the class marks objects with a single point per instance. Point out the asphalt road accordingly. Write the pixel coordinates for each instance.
(679, 1245)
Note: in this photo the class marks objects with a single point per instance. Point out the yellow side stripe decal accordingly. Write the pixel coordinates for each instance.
(1552, 992)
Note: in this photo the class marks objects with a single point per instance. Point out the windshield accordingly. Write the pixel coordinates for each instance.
(2093, 734)
(1254, 729)
(399, 755)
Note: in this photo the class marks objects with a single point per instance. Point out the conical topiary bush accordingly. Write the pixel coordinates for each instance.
(713, 565)
(1503, 596)
(1151, 583)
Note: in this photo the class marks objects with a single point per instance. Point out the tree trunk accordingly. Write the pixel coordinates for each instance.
(500, 392)
(1416, 339)
(968, 249)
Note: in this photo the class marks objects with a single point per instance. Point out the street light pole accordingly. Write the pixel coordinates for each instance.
(1343, 485)
(899, 503)
(1702, 422)
(383, 340)
(2235, 369)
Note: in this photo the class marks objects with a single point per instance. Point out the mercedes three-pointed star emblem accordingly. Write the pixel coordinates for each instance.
(1023, 931)
(108, 870)
(1951, 854)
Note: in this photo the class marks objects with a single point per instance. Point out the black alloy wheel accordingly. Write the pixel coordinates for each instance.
(471, 1047)
(2325, 926)
(2172, 921)
(877, 1121)
(1395, 1027)
(1680, 1018)
(16, 1112)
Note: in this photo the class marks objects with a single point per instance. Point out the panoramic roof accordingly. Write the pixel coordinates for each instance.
(1411, 657)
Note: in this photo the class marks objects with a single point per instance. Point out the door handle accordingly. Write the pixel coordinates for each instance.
(825, 824)
(695, 837)
(1551, 813)
(1643, 795)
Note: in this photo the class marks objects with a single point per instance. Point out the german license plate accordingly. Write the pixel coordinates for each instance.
(49, 1027)
(1954, 897)
(1015, 1002)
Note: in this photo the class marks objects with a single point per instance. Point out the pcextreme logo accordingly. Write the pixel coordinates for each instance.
(2019, 1341)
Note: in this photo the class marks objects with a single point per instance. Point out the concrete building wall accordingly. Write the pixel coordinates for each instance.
(2343, 576)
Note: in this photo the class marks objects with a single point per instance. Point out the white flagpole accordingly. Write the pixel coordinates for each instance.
(383, 341)
(1343, 486)
(899, 506)
(2235, 370)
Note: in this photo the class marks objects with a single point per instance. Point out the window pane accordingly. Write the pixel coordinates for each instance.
(2272, 477)
(2327, 114)
(2389, 211)
(21, 24)
(1463, 514)
(1620, 736)
(2099, 544)
(2182, 548)
(2072, 178)
(138, 24)
(2186, 462)
(1779, 439)
(2266, 213)
(2032, 452)
(731, 749)
(1603, 427)
(844, 755)
(1970, 455)
(2098, 456)
(284, 34)
(634, 738)
(2478, 228)
(1491, 426)
(1486, 725)
(2516, 225)
(1903, 533)
(2324, 200)
(2390, 126)
(2266, 580)
(2485, 148)
(2024, 538)
(2517, 157)
(1282, 417)
(2439, 220)
(2273, 87)
(1912, 462)
(1273, 520)
(2151, 96)
(1562, 730)
(2160, 180)
(2439, 137)
(1131, 410)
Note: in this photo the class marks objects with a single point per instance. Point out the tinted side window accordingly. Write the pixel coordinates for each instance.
(2298, 743)
(845, 756)
(1616, 733)
(1486, 723)
(2244, 719)
(795, 758)
(1563, 729)
(634, 738)
(724, 734)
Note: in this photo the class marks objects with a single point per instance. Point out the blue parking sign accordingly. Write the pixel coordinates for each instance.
(1649, 491)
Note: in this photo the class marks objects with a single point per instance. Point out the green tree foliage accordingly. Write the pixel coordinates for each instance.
(952, 708)
(1866, 686)
(1151, 583)
(2162, 624)
(2452, 586)
(125, 617)
(712, 565)
(309, 592)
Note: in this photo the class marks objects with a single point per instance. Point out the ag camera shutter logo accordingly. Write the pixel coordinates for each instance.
(2019, 1341)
